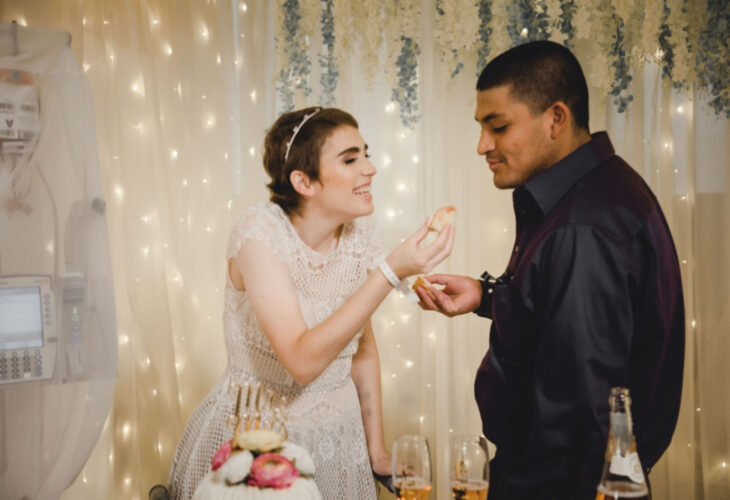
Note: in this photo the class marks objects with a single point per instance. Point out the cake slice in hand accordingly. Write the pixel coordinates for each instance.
(444, 215)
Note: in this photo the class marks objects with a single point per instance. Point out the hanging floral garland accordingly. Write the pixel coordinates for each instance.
(712, 66)
(527, 21)
(500, 21)
(622, 77)
(485, 33)
(688, 39)
(292, 45)
(456, 32)
(370, 22)
(567, 12)
(402, 37)
(553, 10)
(327, 59)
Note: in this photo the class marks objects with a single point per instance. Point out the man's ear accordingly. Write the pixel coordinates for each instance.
(302, 184)
(560, 118)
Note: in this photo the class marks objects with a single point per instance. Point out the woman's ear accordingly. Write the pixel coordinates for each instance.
(302, 184)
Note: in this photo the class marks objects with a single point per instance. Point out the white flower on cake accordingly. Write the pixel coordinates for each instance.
(301, 457)
(259, 439)
(259, 465)
(236, 468)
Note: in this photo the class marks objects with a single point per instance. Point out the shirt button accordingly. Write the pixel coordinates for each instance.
(517, 248)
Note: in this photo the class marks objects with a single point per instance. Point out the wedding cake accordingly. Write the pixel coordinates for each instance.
(259, 465)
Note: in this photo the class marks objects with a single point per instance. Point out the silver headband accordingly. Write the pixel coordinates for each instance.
(297, 129)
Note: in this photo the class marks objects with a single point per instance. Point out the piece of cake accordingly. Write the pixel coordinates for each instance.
(444, 215)
(259, 465)
(421, 281)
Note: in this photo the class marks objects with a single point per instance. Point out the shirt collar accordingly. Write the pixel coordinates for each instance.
(550, 185)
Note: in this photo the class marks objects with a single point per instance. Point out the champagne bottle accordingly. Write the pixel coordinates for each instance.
(623, 476)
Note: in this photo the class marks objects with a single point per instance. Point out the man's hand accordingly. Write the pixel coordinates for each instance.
(460, 294)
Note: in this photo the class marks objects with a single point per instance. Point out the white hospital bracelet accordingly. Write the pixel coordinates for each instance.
(401, 285)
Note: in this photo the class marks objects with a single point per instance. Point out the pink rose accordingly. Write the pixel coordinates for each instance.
(223, 454)
(273, 471)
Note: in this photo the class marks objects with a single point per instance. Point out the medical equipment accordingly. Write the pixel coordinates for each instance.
(58, 343)
(28, 337)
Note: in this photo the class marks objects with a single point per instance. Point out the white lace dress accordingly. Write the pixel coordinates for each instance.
(324, 416)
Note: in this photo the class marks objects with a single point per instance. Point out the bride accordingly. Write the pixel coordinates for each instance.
(306, 272)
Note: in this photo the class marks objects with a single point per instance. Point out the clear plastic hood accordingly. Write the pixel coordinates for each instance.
(58, 343)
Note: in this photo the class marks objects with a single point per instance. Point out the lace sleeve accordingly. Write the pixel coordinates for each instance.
(260, 223)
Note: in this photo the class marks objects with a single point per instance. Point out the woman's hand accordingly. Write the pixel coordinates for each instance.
(381, 463)
(409, 258)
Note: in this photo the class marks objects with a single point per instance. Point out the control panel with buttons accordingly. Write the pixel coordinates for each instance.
(28, 332)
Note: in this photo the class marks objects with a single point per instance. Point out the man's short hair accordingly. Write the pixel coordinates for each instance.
(540, 73)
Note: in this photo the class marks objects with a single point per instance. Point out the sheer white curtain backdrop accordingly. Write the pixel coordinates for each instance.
(183, 94)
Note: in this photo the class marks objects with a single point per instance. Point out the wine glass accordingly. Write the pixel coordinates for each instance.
(411, 468)
(469, 468)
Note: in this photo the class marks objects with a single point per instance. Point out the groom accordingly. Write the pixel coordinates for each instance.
(591, 297)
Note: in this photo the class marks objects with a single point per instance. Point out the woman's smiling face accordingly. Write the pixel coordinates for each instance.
(345, 175)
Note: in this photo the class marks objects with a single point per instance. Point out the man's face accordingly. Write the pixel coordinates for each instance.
(515, 142)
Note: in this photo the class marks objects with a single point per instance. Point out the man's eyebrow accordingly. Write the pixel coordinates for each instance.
(487, 117)
(353, 149)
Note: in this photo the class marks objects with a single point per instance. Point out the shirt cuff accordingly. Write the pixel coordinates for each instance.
(485, 306)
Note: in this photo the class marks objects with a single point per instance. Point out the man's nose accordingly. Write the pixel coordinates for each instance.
(486, 143)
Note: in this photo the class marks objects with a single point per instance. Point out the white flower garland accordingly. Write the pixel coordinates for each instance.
(554, 13)
(500, 21)
(595, 28)
(311, 12)
(648, 44)
(676, 20)
(345, 30)
(456, 32)
(631, 13)
(401, 19)
(369, 16)
(281, 47)
(696, 19)
(370, 29)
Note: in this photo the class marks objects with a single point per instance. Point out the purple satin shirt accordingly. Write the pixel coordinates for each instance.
(591, 299)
